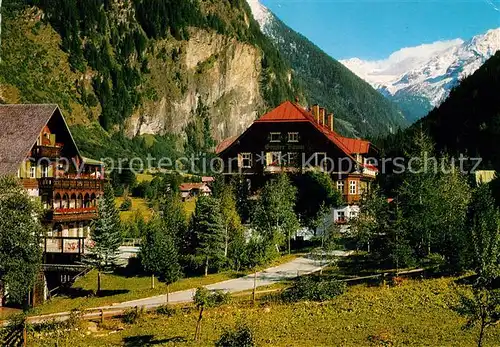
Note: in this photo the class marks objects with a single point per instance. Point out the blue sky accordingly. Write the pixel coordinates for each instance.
(373, 29)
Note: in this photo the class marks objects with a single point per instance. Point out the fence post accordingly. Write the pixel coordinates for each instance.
(254, 286)
(25, 334)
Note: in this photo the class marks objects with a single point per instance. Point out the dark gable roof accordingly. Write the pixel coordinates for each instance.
(21, 125)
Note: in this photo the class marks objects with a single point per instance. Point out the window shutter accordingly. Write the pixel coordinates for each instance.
(240, 160)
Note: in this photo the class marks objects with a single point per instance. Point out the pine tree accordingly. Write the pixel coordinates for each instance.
(484, 235)
(106, 236)
(159, 254)
(208, 231)
(20, 230)
(419, 195)
(174, 217)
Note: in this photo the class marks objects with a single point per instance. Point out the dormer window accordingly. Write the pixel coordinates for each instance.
(293, 137)
(275, 137)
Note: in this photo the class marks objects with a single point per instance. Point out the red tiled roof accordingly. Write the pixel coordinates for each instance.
(286, 112)
(291, 112)
(356, 145)
(185, 187)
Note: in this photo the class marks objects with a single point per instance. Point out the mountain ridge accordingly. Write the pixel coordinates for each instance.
(359, 109)
(426, 73)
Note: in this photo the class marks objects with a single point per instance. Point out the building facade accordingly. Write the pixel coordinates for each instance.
(293, 139)
(38, 148)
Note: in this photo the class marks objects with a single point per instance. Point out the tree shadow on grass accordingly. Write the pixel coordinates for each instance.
(111, 292)
(74, 293)
(148, 340)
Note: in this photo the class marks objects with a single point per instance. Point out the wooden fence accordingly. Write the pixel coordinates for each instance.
(14, 335)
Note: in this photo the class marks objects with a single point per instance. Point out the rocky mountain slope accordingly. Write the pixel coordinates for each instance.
(420, 78)
(359, 109)
(129, 76)
(168, 77)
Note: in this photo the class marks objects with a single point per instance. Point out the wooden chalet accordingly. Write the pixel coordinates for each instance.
(38, 148)
(291, 138)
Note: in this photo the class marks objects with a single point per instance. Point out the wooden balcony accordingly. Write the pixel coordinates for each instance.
(71, 214)
(47, 151)
(66, 245)
(67, 183)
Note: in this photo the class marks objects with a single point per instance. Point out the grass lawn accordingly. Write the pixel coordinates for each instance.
(417, 313)
(138, 205)
(144, 177)
(118, 288)
(189, 206)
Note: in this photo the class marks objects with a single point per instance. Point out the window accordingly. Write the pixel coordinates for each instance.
(246, 160)
(340, 186)
(293, 137)
(275, 137)
(45, 170)
(32, 170)
(273, 159)
(341, 216)
(353, 187)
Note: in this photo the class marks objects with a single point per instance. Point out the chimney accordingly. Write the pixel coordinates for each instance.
(315, 112)
(322, 113)
(331, 122)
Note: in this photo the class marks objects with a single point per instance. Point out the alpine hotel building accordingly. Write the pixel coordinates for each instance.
(292, 139)
(37, 147)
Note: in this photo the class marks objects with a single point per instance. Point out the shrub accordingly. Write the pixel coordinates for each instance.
(239, 337)
(207, 298)
(166, 310)
(126, 205)
(132, 315)
(314, 289)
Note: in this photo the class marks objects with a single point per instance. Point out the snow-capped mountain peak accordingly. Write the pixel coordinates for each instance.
(429, 71)
(261, 14)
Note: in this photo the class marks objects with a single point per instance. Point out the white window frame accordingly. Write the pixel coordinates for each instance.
(270, 156)
(32, 171)
(293, 137)
(341, 216)
(246, 157)
(353, 187)
(45, 171)
(274, 140)
(341, 186)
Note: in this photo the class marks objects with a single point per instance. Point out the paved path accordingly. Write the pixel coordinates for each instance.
(297, 267)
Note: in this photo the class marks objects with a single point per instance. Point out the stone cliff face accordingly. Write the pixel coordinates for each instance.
(220, 72)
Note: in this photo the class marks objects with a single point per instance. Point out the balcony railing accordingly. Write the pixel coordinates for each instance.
(70, 245)
(46, 151)
(71, 214)
(82, 182)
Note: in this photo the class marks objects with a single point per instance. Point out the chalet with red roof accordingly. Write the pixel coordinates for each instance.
(291, 138)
